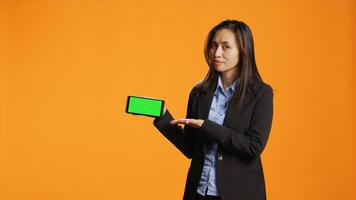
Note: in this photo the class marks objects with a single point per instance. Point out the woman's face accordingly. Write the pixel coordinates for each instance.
(224, 52)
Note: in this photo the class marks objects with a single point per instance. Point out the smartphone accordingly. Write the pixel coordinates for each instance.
(144, 106)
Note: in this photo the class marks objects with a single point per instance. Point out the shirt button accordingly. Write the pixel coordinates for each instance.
(220, 157)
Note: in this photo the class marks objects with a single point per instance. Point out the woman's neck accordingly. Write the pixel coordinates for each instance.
(228, 77)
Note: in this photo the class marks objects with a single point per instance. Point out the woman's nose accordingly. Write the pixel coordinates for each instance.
(218, 52)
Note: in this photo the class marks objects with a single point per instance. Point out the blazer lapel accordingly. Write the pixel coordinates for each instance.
(230, 113)
(205, 101)
(233, 111)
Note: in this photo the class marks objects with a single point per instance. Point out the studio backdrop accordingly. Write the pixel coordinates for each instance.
(67, 66)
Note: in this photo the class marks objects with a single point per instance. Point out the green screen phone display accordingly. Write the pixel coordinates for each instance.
(144, 106)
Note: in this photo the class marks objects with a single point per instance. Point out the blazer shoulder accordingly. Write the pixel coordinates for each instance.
(198, 84)
(262, 87)
(196, 87)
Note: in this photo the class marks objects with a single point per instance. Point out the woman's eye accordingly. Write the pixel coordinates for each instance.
(227, 47)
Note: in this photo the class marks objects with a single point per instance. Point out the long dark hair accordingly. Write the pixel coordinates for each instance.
(246, 67)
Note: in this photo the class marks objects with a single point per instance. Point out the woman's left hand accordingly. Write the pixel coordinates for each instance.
(196, 123)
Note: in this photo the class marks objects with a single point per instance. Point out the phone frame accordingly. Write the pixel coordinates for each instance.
(128, 100)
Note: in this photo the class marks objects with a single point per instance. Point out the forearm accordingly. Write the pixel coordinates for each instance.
(175, 134)
(252, 141)
(249, 143)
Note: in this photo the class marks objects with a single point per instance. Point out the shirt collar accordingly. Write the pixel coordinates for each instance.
(232, 87)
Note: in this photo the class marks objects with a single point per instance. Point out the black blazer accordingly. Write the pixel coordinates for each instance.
(241, 140)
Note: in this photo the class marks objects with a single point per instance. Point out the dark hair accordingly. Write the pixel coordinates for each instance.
(247, 69)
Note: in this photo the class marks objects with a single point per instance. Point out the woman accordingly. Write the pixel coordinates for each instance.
(228, 120)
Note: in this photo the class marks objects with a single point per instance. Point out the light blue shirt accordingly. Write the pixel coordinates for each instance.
(207, 184)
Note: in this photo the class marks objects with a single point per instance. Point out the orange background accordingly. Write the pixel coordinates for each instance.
(67, 67)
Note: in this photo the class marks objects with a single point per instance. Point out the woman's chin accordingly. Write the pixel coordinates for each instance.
(219, 69)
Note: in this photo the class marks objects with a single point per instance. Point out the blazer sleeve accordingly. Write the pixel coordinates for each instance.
(182, 138)
(251, 142)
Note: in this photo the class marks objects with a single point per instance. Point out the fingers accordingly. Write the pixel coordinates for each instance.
(180, 121)
(196, 123)
(177, 121)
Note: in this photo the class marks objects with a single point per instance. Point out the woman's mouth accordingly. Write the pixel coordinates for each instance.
(217, 62)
